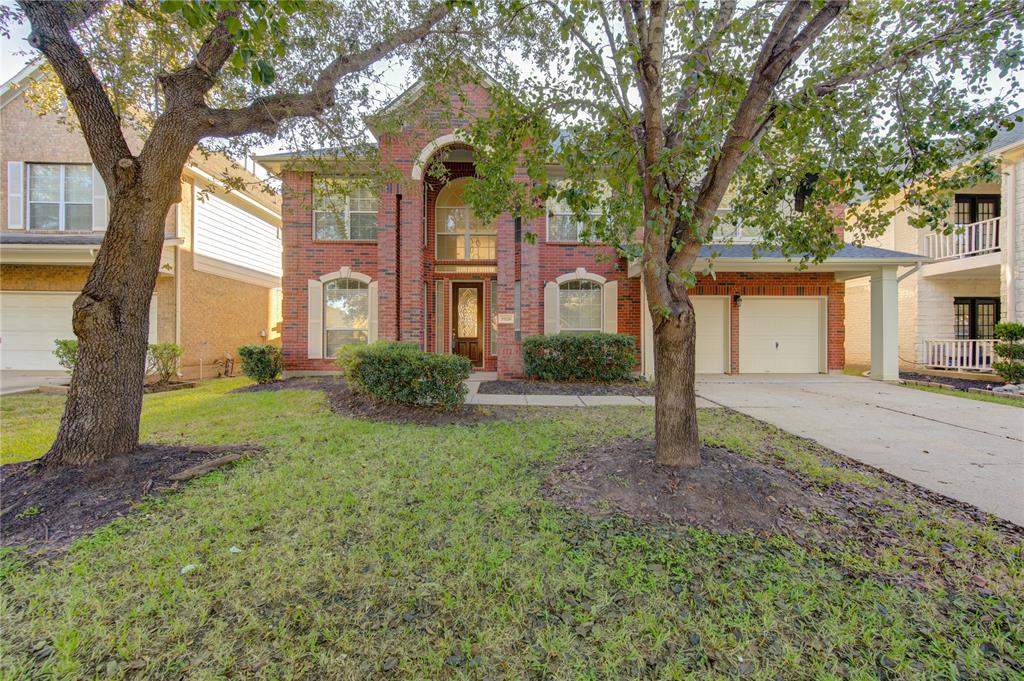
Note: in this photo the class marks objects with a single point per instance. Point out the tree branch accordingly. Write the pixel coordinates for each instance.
(266, 113)
(188, 86)
(52, 23)
(786, 42)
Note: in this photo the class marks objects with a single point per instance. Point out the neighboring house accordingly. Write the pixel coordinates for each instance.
(971, 279)
(413, 263)
(220, 273)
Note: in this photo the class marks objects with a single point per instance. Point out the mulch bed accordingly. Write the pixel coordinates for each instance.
(521, 387)
(46, 510)
(344, 402)
(726, 493)
(985, 383)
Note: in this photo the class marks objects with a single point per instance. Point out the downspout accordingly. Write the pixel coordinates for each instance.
(398, 266)
(906, 274)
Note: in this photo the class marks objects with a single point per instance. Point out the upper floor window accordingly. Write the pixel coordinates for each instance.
(971, 208)
(459, 233)
(579, 306)
(564, 226)
(729, 229)
(338, 216)
(59, 196)
(346, 314)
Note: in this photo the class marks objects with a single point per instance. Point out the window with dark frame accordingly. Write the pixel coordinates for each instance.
(975, 318)
(971, 208)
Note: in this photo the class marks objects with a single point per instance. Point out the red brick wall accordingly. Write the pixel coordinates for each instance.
(305, 258)
(819, 284)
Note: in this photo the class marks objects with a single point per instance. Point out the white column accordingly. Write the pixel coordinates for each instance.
(885, 335)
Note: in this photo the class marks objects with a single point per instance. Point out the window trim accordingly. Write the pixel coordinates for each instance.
(466, 233)
(365, 286)
(61, 202)
(595, 284)
(347, 216)
(551, 212)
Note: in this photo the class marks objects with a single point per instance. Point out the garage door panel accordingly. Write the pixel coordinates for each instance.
(711, 334)
(780, 335)
(30, 322)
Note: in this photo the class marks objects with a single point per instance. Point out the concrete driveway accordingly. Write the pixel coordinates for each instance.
(966, 449)
(13, 382)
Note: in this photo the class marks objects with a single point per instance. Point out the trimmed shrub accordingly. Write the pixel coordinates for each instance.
(262, 363)
(401, 372)
(603, 357)
(162, 360)
(1010, 351)
(66, 352)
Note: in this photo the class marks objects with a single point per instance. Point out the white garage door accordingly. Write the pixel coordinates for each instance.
(31, 322)
(711, 334)
(780, 335)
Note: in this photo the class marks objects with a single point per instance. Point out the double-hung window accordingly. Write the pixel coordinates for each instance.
(579, 306)
(59, 197)
(344, 216)
(346, 314)
(564, 226)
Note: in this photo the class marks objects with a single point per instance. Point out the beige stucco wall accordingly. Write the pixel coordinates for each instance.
(72, 278)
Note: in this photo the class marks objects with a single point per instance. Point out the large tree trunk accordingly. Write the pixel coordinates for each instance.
(111, 320)
(675, 409)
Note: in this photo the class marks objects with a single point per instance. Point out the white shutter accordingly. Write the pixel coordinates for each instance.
(99, 202)
(15, 195)
(550, 309)
(372, 332)
(315, 331)
(154, 308)
(611, 307)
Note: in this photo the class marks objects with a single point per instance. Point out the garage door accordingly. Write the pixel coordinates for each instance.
(31, 322)
(711, 334)
(780, 335)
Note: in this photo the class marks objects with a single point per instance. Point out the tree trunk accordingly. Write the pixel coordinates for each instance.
(111, 321)
(675, 410)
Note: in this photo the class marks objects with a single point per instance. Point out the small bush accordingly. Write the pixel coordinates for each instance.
(66, 352)
(261, 363)
(401, 372)
(603, 357)
(162, 360)
(1010, 351)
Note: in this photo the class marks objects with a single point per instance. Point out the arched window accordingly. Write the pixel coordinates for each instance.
(346, 314)
(579, 306)
(460, 234)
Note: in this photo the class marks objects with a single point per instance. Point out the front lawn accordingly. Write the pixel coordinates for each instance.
(353, 549)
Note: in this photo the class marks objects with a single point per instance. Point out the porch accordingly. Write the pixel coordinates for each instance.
(959, 354)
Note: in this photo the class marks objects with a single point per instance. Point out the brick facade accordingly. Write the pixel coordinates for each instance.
(402, 261)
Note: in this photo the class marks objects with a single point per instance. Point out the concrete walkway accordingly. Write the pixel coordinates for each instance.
(966, 449)
(14, 382)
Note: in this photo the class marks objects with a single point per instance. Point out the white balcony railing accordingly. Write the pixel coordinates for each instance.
(974, 239)
(959, 354)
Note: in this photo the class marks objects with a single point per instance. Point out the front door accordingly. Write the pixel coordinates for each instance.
(467, 321)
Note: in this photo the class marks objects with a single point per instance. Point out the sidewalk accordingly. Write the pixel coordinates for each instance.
(473, 397)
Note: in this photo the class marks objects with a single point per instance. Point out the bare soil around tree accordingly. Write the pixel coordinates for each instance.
(726, 493)
(346, 402)
(45, 510)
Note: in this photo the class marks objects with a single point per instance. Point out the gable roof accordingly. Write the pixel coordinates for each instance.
(1006, 139)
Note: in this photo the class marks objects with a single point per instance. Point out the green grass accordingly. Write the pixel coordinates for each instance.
(996, 399)
(366, 550)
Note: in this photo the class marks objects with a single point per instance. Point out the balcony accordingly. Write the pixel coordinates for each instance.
(959, 354)
(967, 241)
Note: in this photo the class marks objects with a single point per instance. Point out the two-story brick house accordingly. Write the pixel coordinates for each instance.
(413, 263)
(219, 284)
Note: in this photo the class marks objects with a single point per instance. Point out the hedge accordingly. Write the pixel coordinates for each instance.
(261, 363)
(603, 357)
(401, 372)
(1010, 351)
